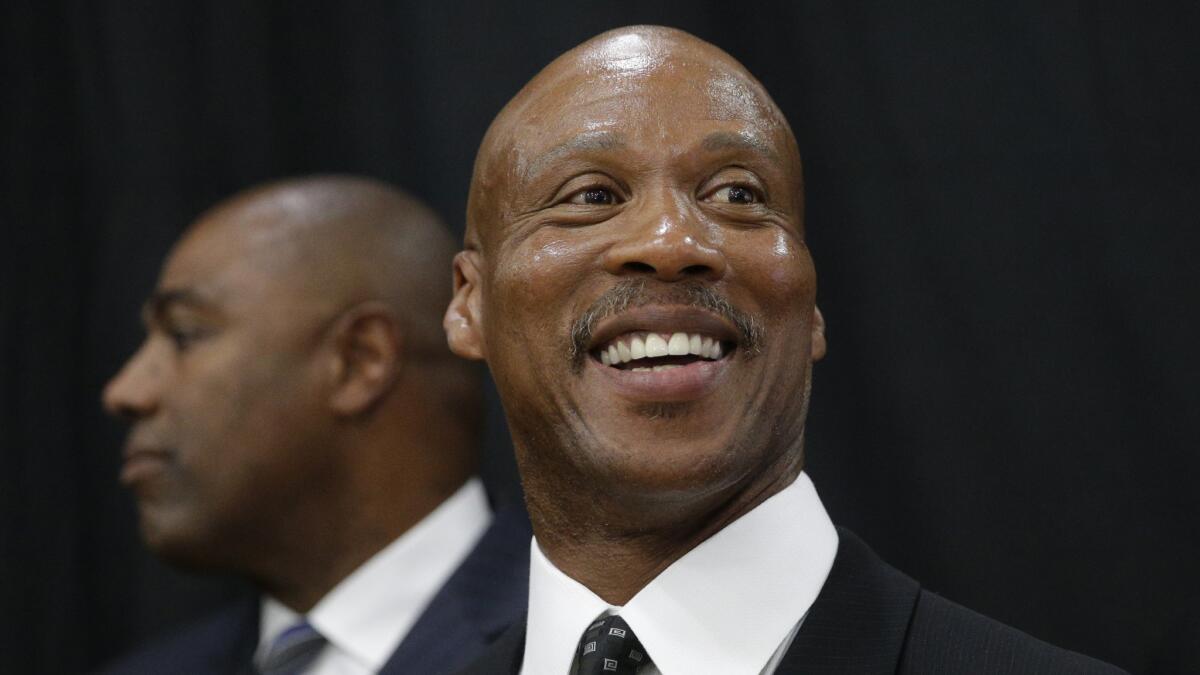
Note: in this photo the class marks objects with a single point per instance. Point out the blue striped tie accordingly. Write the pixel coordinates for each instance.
(292, 651)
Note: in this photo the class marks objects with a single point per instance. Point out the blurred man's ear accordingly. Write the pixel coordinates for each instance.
(818, 335)
(464, 317)
(368, 354)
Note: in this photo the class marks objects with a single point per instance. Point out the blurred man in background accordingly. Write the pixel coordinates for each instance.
(296, 419)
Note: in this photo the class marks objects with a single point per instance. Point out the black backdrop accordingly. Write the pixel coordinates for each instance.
(1002, 208)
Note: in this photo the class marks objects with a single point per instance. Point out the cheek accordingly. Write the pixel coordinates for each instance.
(227, 417)
(546, 260)
(534, 284)
(211, 438)
(780, 270)
(534, 295)
(791, 265)
(775, 276)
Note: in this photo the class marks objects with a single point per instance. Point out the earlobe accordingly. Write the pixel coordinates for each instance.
(818, 335)
(464, 316)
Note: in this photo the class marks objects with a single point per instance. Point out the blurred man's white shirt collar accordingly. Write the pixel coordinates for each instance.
(732, 605)
(367, 615)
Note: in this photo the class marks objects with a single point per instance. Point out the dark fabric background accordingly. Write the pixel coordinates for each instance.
(1002, 209)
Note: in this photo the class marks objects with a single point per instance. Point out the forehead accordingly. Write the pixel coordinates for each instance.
(630, 89)
(229, 259)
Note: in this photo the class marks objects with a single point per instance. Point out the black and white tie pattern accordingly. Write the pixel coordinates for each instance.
(608, 647)
(292, 651)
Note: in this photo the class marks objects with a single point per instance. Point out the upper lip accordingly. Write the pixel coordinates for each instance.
(663, 319)
(133, 450)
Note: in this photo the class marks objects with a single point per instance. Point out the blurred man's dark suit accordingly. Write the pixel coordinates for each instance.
(872, 619)
(483, 597)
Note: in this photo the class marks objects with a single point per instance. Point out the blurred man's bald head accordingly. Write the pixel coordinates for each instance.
(339, 240)
(620, 63)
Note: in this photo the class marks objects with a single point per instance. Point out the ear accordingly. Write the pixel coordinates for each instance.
(818, 335)
(464, 317)
(368, 344)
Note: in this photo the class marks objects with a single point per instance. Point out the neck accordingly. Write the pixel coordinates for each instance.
(615, 562)
(311, 571)
(390, 485)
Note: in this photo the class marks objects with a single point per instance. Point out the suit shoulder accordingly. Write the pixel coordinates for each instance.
(945, 637)
(209, 645)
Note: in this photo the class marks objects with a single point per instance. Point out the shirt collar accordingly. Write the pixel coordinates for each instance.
(724, 607)
(369, 612)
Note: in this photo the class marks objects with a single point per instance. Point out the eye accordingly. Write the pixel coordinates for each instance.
(594, 195)
(735, 194)
(183, 339)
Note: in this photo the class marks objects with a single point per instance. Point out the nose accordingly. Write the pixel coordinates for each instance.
(669, 241)
(134, 392)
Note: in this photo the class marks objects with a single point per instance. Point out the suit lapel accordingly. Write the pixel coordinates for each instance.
(504, 656)
(437, 643)
(238, 656)
(485, 595)
(859, 622)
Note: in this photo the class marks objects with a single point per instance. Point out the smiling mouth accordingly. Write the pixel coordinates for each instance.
(644, 351)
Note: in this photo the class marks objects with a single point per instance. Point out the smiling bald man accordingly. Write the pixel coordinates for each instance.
(636, 276)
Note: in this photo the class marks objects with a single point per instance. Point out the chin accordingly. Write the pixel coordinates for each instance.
(670, 467)
(174, 541)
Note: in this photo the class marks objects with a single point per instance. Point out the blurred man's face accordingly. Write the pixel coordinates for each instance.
(647, 296)
(225, 432)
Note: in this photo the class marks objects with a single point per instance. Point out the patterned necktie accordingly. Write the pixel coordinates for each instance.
(292, 651)
(608, 646)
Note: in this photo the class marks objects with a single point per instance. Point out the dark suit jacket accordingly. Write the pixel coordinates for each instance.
(870, 618)
(485, 595)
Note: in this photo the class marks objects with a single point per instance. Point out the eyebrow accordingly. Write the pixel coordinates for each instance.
(588, 141)
(727, 140)
(160, 302)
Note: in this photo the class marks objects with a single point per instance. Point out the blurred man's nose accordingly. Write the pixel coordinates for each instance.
(134, 391)
(667, 239)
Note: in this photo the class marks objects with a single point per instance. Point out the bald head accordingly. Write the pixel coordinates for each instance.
(621, 76)
(338, 240)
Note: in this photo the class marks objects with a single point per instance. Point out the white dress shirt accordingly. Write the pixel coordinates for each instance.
(730, 606)
(367, 615)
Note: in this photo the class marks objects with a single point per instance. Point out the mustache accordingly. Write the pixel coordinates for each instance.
(631, 293)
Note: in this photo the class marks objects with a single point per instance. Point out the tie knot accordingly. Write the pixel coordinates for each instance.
(292, 650)
(609, 646)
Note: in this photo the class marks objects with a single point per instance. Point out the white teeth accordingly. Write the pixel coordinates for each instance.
(623, 352)
(658, 369)
(637, 348)
(678, 346)
(655, 346)
(640, 370)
